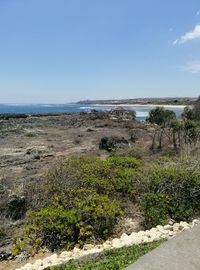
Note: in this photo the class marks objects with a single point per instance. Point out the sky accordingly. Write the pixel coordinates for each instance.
(58, 51)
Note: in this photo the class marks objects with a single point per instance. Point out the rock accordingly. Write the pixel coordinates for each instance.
(195, 222)
(154, 234)
(109, 143)
(153, 231)
(141, 233)
(5, 254)
(171, 234)
(163, 236)
(90, 130)
(88, 246)
(127, 240)
(36, 157)
(145, 239)
(171, 222)
(106, 246)
(154, 237)
(23, 256)
(168, 227)
(124, 236)
(176, 227)
(184, 225)
(37, 264)
(53, 257)
(116, 243)
(76, 250)
(95, 250)
(15, 207)
(65, 254)
(160, 228)
(136, 239)
(28, 266)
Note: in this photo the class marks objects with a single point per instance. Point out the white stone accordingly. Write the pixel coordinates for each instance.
(28, 266)
(106, 246)
(65, 254)
(176, 227)
(53, 257)
(152, 232)
(133, 234)
(76, 250)
(37, 264)
(124, 237)
(171, 222)
(168, 227)
(159, 227)
(145, 239)
(116, 243)
(184, 225)
(88, 246)
(136, 239)
(154, 238)
(97, 250)
(57, 262)
(141, 233)
(171, 233)
(195, 222)
(40, 268)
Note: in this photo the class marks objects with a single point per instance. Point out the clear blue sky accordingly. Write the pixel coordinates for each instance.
(55, 51)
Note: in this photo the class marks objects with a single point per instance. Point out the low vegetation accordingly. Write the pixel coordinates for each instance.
(81, 198)
(111, 260)
(86, 195)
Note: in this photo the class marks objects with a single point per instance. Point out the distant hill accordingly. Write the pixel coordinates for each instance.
(144, 101)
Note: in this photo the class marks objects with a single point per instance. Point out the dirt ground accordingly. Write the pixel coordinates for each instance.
(29, 146)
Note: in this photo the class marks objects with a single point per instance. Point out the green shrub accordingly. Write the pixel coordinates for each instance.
(105, 176)
(72, 220)
(155, 207)
(53, 228)
(18, 246)
(123, 162)
(83, 201)
(97, 211)
(179, 182)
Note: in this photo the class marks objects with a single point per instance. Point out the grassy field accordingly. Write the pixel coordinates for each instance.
(111, 260)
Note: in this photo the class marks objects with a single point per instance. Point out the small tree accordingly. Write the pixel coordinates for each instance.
(196, 110)
(192, 113)
(163, 118)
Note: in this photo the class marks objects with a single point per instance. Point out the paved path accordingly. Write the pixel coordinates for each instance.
(180, 253)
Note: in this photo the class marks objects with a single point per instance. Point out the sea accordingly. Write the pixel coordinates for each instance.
(142, 111)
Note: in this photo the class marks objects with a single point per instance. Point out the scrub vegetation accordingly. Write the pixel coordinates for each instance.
(80, 199)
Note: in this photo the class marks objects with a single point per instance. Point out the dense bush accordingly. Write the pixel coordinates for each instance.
(70, 222)
(105, 176)
(84, 196)
(53, 228)
(83, 201)
(155, 207)
(172, 191)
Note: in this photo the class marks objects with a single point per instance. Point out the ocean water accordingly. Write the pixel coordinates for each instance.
(142, 111)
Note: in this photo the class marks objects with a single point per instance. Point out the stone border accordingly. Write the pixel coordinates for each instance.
(157, 233)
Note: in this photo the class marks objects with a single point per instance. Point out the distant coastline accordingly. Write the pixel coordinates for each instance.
(23, 111)
(184, 101)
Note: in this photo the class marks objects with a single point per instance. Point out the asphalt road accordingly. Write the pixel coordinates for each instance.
(179, 253)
